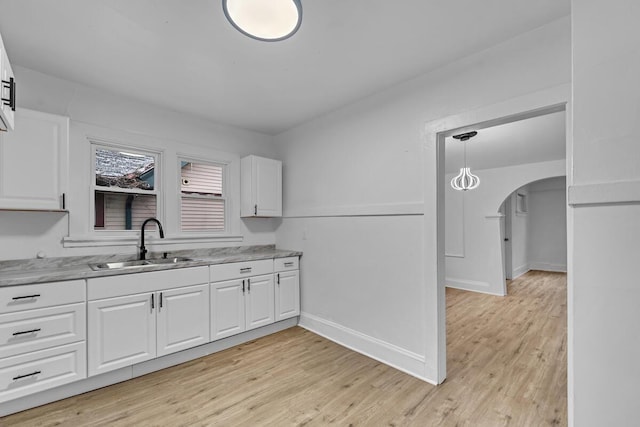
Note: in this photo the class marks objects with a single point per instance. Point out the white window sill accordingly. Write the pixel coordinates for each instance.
(100, 241)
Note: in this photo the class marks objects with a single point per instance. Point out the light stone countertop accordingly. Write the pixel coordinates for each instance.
(30, 271)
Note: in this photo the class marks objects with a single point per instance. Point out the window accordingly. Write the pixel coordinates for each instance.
(521, 203)
(202, 201)
(125, 188)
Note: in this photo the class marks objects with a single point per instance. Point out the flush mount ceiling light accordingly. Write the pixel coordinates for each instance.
(266, 20)
(465, 180)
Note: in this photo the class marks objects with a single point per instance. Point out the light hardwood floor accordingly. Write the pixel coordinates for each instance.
(506, 366)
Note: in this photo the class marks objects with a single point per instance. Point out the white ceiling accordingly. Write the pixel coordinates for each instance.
(538, 139)
(184, 55)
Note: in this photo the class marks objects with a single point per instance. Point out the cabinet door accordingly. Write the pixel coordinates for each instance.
(259, 301)
(287, 294)
(268, 182)
(227, 308)
(33, 162)
(260, 187)
(121, 332)
(183, 318)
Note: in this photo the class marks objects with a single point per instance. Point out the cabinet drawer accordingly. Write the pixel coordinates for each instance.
(27, 297)
(286, 264)
(33, 330)
(32, 372)
(219, 272)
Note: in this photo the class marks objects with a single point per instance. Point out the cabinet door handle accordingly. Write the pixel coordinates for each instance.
(255, 209)
(26, 332)
(288, 264)
(26, 297)
(248, 285)
(11, 85)
(243, 286)
(153, 301)
(64, 201)
(278, 278)
(26, 375)
(160, 299)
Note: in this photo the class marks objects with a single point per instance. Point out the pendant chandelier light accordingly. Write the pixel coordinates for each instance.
(265, 20)
(465, 180)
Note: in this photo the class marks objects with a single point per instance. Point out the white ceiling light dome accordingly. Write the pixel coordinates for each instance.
(266, 20)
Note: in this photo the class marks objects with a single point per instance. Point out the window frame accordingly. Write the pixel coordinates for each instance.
(521, 204)
(128, 148)
(224, 197)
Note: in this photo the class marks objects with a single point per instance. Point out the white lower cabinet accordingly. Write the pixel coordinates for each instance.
(121, 332)
(287, 294)
(182, 319)
(241, 304)
(32, 330)
(227, 308)
(127, 330)
(29, 373)
(164, 319)
(259, 307)
(42, 337)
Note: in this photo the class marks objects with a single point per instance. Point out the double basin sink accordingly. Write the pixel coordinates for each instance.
(138, 263)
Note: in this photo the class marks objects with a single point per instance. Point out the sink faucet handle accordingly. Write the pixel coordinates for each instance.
(164, 255)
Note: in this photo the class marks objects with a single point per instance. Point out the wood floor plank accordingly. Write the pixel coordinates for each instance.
(506, 367)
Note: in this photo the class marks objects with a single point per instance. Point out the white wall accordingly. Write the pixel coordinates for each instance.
(604, 198)
(361, 170)
(547, 243)
(103, 115)
(481, 268)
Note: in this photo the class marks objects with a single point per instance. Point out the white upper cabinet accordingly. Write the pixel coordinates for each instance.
(261, 187)
(34, 161)
(8, 91)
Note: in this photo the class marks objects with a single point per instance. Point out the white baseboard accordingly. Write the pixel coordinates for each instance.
(519, 271)
(546, 266)
(382, 351)
(470, 285)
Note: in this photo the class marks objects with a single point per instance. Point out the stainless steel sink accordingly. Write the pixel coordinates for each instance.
(175, 260)
(138, 263)
(118, 265)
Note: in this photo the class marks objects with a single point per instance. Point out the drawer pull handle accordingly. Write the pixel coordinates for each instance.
(288, 264)
(26, 297)
(26, 332)
(11, 85)
(245, 270)
(26, 375)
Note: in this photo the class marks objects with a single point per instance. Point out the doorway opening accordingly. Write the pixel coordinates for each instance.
(494, 214)
(533, 105)
(533, 229)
